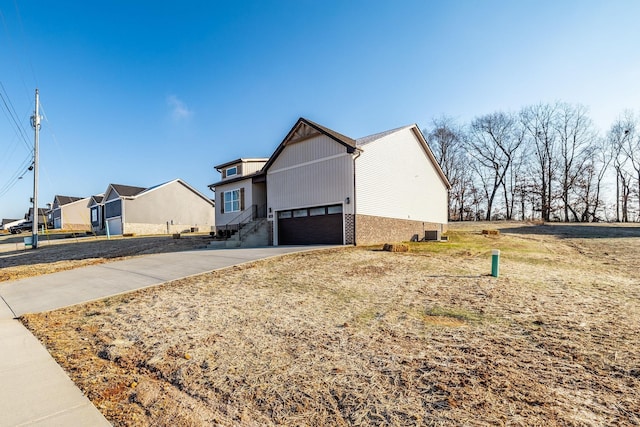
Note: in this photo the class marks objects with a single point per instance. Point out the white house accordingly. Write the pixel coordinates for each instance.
(323, 187)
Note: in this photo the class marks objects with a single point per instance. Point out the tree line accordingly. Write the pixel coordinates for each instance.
(545, 162)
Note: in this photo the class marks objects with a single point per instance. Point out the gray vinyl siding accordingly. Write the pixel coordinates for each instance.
(309, 150)
(113, 208)
(111, 196)
(314, 172)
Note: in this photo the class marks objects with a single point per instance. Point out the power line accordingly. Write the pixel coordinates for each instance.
(25, 167)
(12, 116)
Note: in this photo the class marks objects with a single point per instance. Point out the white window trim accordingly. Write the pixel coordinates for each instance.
(228, 199)
(235, 171)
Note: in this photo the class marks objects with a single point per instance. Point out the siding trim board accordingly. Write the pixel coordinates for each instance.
(299, 165)
(348, 143)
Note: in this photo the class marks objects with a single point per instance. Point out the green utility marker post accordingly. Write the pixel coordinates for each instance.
(495, 263)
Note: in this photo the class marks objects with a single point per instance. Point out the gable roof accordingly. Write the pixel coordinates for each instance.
(179, 181)
(305, 129)
(65, 200)
(98, 198)
(126, 190)
(240, 160)
(251, 176)
(367, 139)
(95, 200)
(130, 192)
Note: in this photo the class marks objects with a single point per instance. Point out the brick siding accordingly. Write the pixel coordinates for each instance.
(349, 229)
(371, 230)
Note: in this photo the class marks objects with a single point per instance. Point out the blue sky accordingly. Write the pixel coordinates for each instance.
(140, 93)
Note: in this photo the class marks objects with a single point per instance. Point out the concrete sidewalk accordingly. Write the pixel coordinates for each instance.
(34, 390)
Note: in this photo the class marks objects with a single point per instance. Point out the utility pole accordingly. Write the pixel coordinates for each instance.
(35, 123)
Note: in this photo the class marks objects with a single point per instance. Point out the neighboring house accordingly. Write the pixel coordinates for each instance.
(8, 223)
(42, 217)
(323, 187)
(172, 207)
(96, 213)
(70, 213)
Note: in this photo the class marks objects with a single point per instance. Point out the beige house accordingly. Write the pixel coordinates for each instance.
(323, 187)
(241, 192)
(70, 213)
(172, 207)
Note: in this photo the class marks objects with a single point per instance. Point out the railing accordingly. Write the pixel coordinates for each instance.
(245, 217)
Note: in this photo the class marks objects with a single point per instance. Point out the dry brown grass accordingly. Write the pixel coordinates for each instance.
(356, 336)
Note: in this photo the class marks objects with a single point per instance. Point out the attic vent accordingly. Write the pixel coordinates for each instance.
(303, 132)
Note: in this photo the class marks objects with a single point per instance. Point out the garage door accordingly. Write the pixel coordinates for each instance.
(311, 226)
(115, 226)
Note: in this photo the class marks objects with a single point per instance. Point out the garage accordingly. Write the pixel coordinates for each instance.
(114, 226)
(311, 226)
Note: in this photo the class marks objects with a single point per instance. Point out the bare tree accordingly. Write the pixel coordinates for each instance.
(621, 131)
(595, 171)
(576, 144)
(538, 120)
(446, 142)
(631, 147)
(493, 141)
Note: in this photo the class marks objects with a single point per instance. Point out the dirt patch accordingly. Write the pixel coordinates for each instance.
(362, 337)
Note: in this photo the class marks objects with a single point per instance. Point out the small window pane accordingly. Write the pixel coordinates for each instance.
(334, 209)
(299, 213)
(284, 214)
(232, 171)
(317, 211)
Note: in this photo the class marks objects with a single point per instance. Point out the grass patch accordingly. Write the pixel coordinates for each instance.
(459, 314)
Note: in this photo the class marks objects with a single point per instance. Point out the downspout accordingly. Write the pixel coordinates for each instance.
(357, 153)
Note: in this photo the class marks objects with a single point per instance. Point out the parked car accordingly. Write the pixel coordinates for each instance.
(25, 226)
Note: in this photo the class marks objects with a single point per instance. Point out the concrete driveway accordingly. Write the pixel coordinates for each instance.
(35, 391)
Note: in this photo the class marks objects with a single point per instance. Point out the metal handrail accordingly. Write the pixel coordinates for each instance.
(254, 212)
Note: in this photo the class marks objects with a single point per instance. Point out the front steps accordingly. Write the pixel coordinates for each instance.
(251, 235)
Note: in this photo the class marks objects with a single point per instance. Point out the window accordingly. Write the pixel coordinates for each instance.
(231, 201)
(94, 215)
(113, 209)
(334, 209)
(284, 214)
(231, 171)
(298, 213)
(316, 211)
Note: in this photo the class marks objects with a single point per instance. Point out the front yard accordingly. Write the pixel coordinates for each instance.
(357, 336)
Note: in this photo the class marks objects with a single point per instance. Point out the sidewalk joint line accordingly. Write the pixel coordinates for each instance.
(9, 307)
